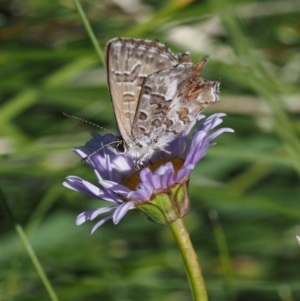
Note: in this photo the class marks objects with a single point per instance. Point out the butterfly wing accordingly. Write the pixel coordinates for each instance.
(129, 63)
(169, 101)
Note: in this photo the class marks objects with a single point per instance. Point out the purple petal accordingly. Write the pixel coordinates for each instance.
(102, 165)
(184, 172)
(115, 187)
(164, 181)
(91, 214)
(148, 179)
(195, 155)
(192, 124)
(80, 152)
(164, 175)
(195, 142)
(209, 123)
(123, 163)
(145, 174)
(89, 189)
(121, 211)
(99, 177)
(170, 175)
(113, 166)
(156, 182)
(146, 188)
(105, 219)
(140, 195)
(80, 185)
(219, 132)
(143, 191)
(99, 143)
(108, 163)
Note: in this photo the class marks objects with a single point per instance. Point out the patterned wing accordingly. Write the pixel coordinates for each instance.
(129, 63)
(169, 101)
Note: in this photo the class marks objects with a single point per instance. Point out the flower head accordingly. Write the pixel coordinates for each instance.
(158, 190)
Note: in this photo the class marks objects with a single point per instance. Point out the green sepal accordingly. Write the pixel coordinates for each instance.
(167, 206)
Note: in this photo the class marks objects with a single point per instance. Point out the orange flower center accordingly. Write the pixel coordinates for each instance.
(134, 179)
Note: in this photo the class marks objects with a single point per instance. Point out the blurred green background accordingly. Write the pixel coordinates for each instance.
(250, 179)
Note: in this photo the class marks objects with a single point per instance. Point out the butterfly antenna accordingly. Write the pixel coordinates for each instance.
(86, 121)
(99, 149)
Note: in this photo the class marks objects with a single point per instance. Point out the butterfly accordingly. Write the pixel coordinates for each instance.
(155, 93)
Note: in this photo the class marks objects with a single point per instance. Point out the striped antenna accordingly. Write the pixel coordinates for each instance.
(99, 149)
(86, 121)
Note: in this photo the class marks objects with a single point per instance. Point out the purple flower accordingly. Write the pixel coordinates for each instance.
(154, 189)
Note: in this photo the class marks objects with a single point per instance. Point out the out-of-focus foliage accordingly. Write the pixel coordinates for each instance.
(251, 178)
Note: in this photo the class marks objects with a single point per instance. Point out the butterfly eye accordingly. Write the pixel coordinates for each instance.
(120, 148)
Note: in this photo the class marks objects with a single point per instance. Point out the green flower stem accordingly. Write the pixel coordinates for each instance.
(190, 260)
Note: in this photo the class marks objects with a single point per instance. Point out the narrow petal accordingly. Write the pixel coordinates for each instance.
(80, 152)
(91, 214)
(219, 132)
(194, 156)
(80, 185)
(139, 195)
(164, 181)
(170, 175)
(103, 165)
(147, 178)
(105, 219)
(143, 188)
(99, 177)
(115, 187)
(110, 164)
(164, 172)
(184, 172)
(121, 211)
(195, 142)
(125, 162)
(160, 170)
(192, 124)
(156, 182)
(150, 180)
(177, 146)
(91, 190)
(145, 174)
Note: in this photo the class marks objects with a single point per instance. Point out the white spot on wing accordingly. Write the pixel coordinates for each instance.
(128, 93)
(171, 91)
